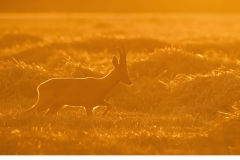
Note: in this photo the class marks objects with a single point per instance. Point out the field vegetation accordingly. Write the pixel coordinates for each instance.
(185, 97)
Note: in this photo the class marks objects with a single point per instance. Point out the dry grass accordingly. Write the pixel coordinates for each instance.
(115, 134)
(185, 97)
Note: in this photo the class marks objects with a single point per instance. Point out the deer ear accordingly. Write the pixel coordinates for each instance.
(115, 61)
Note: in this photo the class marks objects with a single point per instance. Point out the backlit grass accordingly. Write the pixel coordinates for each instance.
(185, 97)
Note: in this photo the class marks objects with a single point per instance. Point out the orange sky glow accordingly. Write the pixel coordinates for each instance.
(222, 6)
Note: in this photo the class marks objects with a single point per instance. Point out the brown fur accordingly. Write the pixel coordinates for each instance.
(54, 93)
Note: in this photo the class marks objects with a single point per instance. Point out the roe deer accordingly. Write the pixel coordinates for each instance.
(89, 92)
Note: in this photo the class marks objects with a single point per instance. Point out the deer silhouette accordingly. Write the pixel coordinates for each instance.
(89, 92)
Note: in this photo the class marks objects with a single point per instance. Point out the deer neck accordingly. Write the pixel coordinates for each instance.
(110, 81)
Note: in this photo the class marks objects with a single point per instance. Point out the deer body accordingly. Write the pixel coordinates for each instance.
(90, 92)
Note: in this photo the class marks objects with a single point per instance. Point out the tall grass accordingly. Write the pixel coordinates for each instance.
(185, 97)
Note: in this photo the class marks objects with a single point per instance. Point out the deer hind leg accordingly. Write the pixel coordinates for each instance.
(42, 104)
(37, 107)
(30, 110)
(109, 106)
(51, 111)
(42, 107)
(54, 108)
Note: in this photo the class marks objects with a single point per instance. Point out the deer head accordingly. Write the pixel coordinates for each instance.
(121, 66)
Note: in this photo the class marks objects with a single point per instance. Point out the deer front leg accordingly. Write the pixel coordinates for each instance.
(109, 106)
(89, 111)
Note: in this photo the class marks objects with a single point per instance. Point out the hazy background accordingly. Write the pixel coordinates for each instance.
(183, 58)
(219, 6)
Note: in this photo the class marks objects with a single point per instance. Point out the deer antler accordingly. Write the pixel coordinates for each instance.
(123, 54)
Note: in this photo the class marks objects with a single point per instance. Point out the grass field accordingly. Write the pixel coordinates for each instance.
(185, 97)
